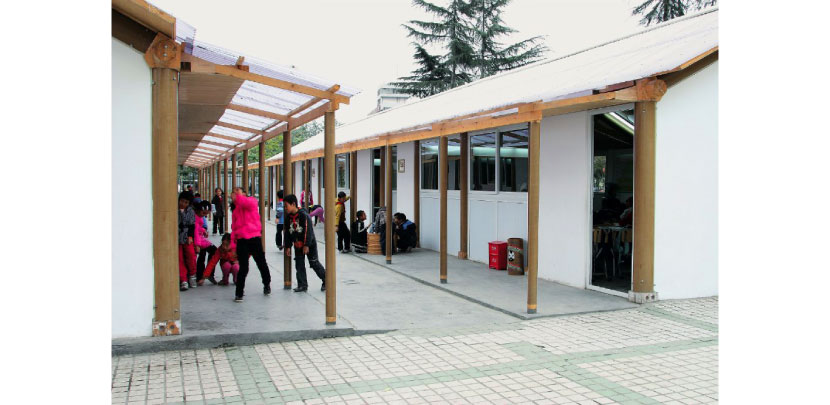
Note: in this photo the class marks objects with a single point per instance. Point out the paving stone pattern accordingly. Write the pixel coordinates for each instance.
(665, 352)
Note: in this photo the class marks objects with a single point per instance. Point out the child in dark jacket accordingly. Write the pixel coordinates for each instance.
(301, 235)
(359, 233)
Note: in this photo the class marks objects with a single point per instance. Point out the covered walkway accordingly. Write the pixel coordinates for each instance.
(373, 298)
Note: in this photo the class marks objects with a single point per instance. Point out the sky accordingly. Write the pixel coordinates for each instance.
(361, 43)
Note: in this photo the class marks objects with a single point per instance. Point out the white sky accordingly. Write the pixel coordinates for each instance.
(361, 43)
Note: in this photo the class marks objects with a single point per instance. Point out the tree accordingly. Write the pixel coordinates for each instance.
(664, 10)
(492, 56)
(468, 30)
(452, 30)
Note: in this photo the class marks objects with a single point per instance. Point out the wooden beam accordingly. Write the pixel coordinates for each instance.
(315, 100)
(387, 187)
(463, 203)
(167, 316)
(257, 112)
(645, 135)
(534, 177)
(233, 71)
(443, 170)
(673, 78)
(164, 53)
(254, 131)
(148, 15)
(331, 191)
(240, 141)
(288, 180)
(649, 89)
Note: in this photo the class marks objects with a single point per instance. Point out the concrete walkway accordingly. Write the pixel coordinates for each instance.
(372, 297)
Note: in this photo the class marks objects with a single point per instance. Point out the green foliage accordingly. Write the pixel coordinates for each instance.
(664, 10)
(468, 30)
(273, 146)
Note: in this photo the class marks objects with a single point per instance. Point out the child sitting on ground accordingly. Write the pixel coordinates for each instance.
(359, 233)
(226, 256)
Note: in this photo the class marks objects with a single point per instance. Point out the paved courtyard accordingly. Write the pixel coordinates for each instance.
(665, 352)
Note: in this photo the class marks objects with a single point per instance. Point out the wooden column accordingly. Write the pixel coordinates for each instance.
(225, 194)
(262, 195)
(319, 182)
(464, 203)
(352, 187)
(288, 181)
(645, 137)
(443, 169)
(381, 173)
(270, 179)
(387, 170)
(416, 173)
(233, 174)
(167, 317)
(533, 215)
(331, 259)
(245, 184)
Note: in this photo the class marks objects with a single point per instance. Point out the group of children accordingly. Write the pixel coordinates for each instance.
(195, 248)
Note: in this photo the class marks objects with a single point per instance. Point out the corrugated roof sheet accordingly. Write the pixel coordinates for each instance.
(636, 56)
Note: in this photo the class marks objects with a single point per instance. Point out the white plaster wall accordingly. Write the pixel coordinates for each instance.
(364, 183)
(132, 205)
(430, 211)
(686, 200)
(298, 180)
(404, 197)
(494, 217)
(564, 210)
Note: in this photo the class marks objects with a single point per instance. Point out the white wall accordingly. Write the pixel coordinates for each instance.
(429, 228)
(564, 210)
(364, 183)
(686, 205)
(132, 205)
(404, 198)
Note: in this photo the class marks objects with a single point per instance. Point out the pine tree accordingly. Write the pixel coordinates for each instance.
(665, 10)
(431, 77)
(453, 31)
(492, 56)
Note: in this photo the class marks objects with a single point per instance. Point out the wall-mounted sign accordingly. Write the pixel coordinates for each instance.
(401, 165)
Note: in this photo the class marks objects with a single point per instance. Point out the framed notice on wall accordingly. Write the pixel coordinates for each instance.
(401, 165)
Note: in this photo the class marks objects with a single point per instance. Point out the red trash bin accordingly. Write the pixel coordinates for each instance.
(498, 255)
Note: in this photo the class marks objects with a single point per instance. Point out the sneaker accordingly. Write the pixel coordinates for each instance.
(323, 288)
(212, 280)
(193, 283)
(237, 299)
(183, 286)
(267, 290)
(301, 289)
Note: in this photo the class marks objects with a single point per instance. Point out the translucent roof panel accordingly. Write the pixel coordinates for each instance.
(219, 140)
(232, 132)
(246, 120)
(642, 54)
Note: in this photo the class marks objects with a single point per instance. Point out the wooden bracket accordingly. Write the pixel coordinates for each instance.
(164, 53)
(648, 89)
(240, 66)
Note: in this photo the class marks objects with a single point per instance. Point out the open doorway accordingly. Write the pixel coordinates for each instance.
(612, 200)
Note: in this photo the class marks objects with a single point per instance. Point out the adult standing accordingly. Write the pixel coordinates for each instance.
(246, 229)
(219, 206)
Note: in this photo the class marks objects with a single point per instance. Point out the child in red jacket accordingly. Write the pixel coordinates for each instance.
(226, 257)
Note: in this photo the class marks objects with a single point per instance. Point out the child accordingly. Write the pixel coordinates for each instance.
(280, 219)
(405, 235)
(318, 214)
(245, 232)
(359, 233)
(203, 246)
(340, 219)
(301, 235)
(228, 261)
(187, 227)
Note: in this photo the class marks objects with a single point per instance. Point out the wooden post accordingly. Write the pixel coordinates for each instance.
(270, 189)
(381, 172)
(319, 181)
(167, 317)
(288, 180)
(225, 194)
(331, 259)
(233, 175)
(352, 187)
(387, 170)
(245, 184)
(416, 173)
(645, 137)
(464, 203)
(261, 188)
(443, 170)
(533, 215)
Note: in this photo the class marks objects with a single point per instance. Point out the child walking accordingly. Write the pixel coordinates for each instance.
(301, 235)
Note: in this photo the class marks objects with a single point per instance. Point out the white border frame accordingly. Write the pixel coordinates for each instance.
(589, 219)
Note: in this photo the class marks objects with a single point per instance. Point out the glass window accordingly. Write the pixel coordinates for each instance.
(483, 171)
(599, 174)
(394, 167)
(342, 167)
(513, 160)
(429, 163)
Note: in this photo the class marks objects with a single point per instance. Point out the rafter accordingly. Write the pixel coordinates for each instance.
(239, 127)
(257, 112)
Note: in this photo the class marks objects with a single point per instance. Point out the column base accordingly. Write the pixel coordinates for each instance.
(444, 281)
(167, 328)
(388, 261)
(462, 255)
(331, 320)
(642, 297)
